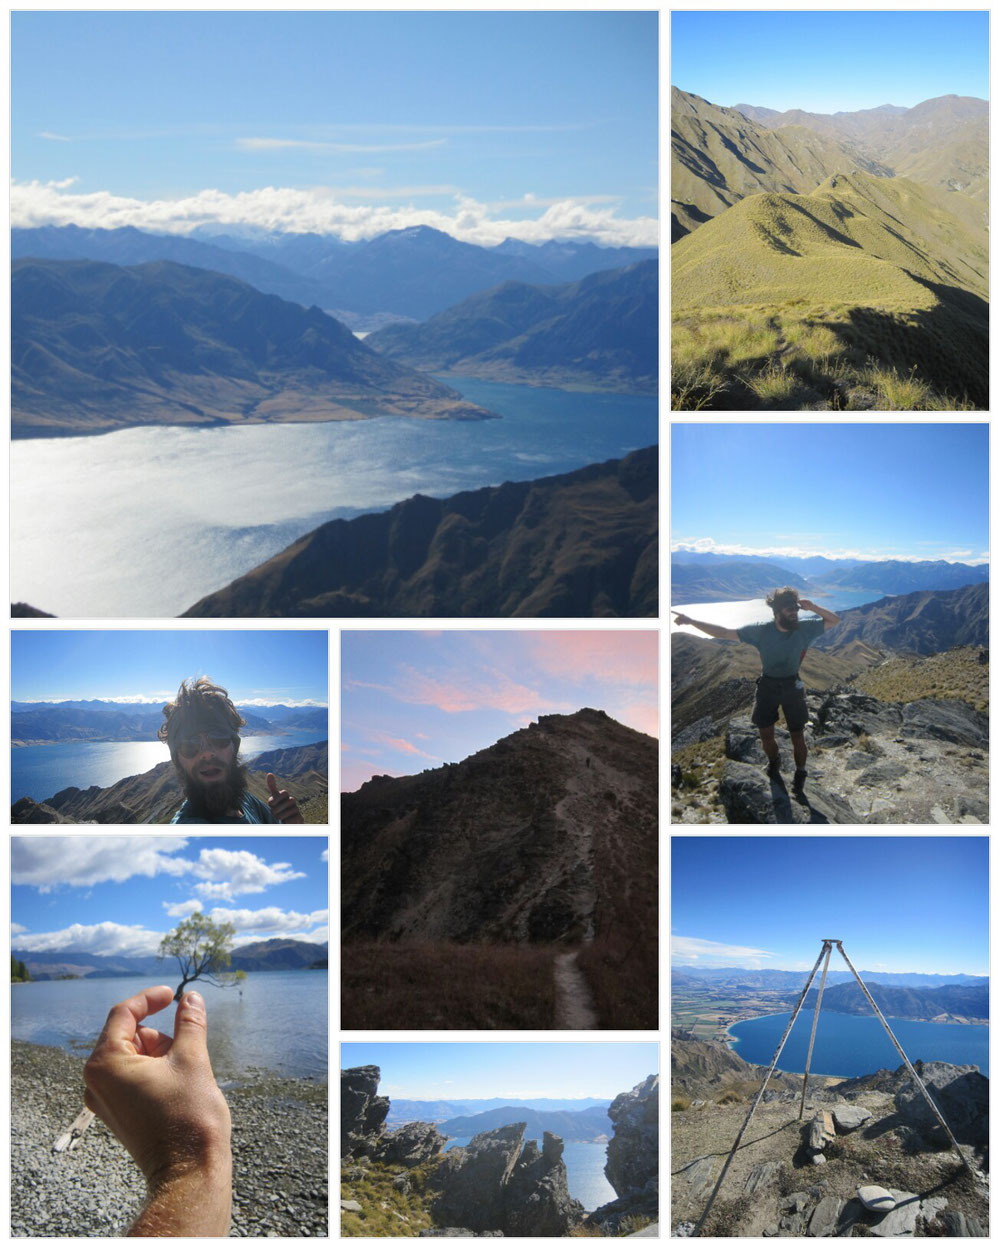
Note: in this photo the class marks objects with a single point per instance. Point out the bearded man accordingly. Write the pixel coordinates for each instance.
(201, 729)
(782, 645)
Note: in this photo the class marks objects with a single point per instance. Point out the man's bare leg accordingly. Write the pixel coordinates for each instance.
(770, 749)
(799, 749)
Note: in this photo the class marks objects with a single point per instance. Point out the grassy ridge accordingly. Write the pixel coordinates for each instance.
(869, 293)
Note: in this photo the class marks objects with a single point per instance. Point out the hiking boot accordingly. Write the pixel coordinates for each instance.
(799, 782)
(774, 769)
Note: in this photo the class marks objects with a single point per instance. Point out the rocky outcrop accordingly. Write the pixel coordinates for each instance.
(499, 1182)
(362, 1111)
(633, 1165)
(410, 1145)
(962, 1095)
(869, 762)
(580, 544)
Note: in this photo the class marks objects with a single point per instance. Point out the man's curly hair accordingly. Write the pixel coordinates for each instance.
(786, 596)
(198, 701)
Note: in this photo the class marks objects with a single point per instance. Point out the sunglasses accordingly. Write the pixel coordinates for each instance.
(191, 746)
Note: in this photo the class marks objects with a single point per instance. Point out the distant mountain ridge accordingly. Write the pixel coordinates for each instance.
(926, 622)
(724, 975)
(600, 331)
(99, 720)
(895, 1001)
(97, 346)
(278, 954)
(584, 1125)
(438, 1111)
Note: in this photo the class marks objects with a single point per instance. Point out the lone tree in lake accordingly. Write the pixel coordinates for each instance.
(202, 949)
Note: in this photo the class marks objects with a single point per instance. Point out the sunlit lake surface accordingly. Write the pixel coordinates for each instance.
(146, 521)
(857, 1044)
(279, 1024)
(584, 1171)
(41, 771)
(756, 610)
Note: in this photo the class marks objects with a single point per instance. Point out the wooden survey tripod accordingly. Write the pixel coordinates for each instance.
(824, 957)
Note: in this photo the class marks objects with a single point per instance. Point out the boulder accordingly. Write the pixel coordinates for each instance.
(849, 1117)
(537, 1199)
(901, 1219)
(362, 1111)
(410, 1144)
(748, 795)
(961, 1093)
(820, 1131)
(953, 1223)
(825, 1217)
(874, 1197)
(634, 1149)
(947, 720)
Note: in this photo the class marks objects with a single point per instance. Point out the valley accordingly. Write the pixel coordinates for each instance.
(835, 268)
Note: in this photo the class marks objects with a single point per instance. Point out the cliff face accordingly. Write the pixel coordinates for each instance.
(503, 846)
(580, 544)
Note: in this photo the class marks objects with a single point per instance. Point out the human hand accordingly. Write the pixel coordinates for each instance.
(157, 1093)
(283, 806)
(805, 605)
(681, 619)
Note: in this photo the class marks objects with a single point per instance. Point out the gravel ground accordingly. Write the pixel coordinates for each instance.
(280, 1155)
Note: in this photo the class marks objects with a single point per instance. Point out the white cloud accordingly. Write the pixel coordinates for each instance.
(16, 929)
(270, 921)
(47, 861)
(325, 855)
(227, 873)
(264, 703)
(318, 210)
(97, 938)
(693, 951)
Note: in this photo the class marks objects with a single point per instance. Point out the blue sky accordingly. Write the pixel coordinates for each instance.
(827, 62)
(415, 700)
(898, 903)
(426, 1072)
(481, 123)
(262, 667)
(121, 894)
(870, 491)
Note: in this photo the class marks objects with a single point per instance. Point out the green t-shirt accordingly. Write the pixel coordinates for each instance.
(781, 653)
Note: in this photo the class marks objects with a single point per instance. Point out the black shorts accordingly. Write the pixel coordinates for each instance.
(786, 692)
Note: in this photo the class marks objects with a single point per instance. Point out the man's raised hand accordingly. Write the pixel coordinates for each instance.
(681, 619)
(282, 805)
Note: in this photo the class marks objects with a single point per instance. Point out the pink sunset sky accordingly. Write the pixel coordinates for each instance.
(416, 700)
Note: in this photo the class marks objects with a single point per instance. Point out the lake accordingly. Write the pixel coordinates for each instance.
(585, 1176)
(856, 1044)
(280, 1023)
(756, 610)
(144, 522)
(41, 771)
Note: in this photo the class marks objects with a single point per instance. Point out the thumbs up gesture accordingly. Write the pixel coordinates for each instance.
(282, 805)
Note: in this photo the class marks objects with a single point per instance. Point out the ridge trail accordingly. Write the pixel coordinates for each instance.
(574, 1003)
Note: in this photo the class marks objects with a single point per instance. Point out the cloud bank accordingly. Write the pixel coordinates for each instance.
(708, 545)
(321, 210)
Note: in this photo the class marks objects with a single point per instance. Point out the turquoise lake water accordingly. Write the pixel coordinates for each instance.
(144, 522)
(855, 1044)
(280, 1023)
(41, 771)
(584, 1171)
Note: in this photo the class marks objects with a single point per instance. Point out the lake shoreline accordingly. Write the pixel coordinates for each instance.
(280, 1156)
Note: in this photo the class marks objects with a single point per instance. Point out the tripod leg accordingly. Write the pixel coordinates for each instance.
(812, 1035)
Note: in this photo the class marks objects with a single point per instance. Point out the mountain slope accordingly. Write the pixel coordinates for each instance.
(736, 579)
(96, 347)
(506, 845)
(571, 1126)
(719, 156)
(925, 622)
(599, 332)
(958, 1000)
(943, 142)
(789, 300)
(579, 544)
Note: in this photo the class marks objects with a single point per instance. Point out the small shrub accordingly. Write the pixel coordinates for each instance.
(728, 1098)
(773, 385)
(679, 1104)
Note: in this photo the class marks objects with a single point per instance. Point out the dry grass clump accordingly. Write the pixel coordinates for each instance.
(386, 1209)
(954, 674)
(440, 984)
(621, 972)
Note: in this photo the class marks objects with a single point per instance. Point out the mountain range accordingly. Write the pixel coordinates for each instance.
(402, 274)
(439, 1111)
(101, 720)
(725, 976)
(573, 1126)
(580, 544)
(156, 795)
(97, 347)
(895, 1001)
(835, 267)
(696, 579)
(600, 331)
(277, 954)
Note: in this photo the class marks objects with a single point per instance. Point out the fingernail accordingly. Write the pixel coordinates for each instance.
(195, 998)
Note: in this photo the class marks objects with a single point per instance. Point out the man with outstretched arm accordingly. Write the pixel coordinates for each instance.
(782, 644)
(158, 1095)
